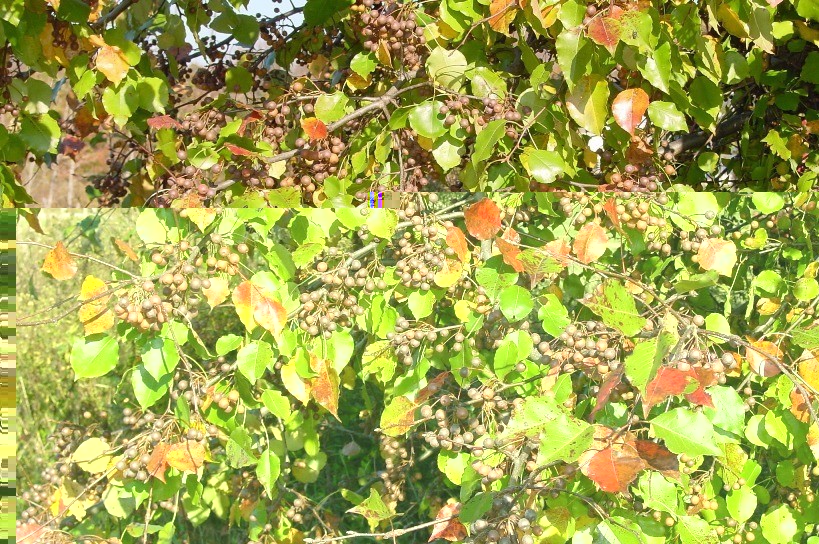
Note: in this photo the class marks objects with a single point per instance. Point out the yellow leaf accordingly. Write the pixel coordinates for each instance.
(809, 369)
(191, 206)
(763, 357)
(463, 309)
(383, 53)
(294, 384)
(502, 14)
(218, 291)
(324, 387)
(813, 439)
(797, 147)
(112, 63)
(186, 456)
(807, 33)
(90, 456)
(731, 21)
(768, 306)
(95, 315)
(255, 305)
(449, 274)
(717, 254)
(126, 249)
(59, 263)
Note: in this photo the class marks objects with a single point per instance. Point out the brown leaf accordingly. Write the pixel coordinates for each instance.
(59, 263)
(502, 13)
(95, 315)
(610, 207)
(252, 117)
(483, 219)
(158, 464)
(611, 381)
(590, 243)
(324, 388)
(629, 107)
(314, 128)
(126, 249)
(614, 469)
(70, 146)
(432, 387)
(457, 241)
(717, 254)
(658, 457)
(762, 357)
(604, 30)
(450, 529)
(186, 456)
(112, 63)
(163, 121)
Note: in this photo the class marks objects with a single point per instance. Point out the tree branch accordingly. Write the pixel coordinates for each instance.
(728, 127)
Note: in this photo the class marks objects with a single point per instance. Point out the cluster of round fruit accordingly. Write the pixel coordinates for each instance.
(228, 401)
(505, 523)
(396, 462)
(211, 78)
(390, 27)
(458, 427)
(458, 110)
(112, 187)
(690, 242)
(319, 159)
(587, 346)
(640, 174)
(419, 164)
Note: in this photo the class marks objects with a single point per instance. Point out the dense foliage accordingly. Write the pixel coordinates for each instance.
(334, 97)
(515, 369)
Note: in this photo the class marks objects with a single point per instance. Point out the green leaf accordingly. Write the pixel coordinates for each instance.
(447, 68)
(728, 412)
(363, 64)
(421, 303)
(160, 357)
(40, 133)
(239, 449)
(707, 98)
(658, 493)
(697, 282)
(121, 102)
(553, 315)
(695, 530)
(486, 140)
(453, 465)
(666, 115)
(708, 161)
(252, 360)
(767, 203)
(544, 166)
(147, 390)
(574, 51)
(398, 416)
(768, 282)
(516, 303)
(245, 28)
(331, 107)
(373, 509)
(617, 308)
(642, 365)
(228, 343)
(153, 94)
(741, 503)
(426, 120)
(806, 338)
(238, 80)
(566, 438)
(476, 507)
(382, 223)
(277, 403)
(806, 289)
(693, 208)
(534, 414)
(587, 103)
(512, 350)
(268, 471)
(447, 152)
(150, 228)
(656, 68)
(717, 323)
(94, 356)
(486, 83)
(779, 525)
(686, 432)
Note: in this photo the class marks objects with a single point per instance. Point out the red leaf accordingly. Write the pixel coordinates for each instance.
(605, 31)
(590, 243)
(483, 219)
(701, 397)
(451, 529)
(314, 128)
(667, 383)
(457, 241)
(658, 457)
(252, 117)
(158, 463)
(629, 107)
(507, 245)
(432, 387)
(606, 388)
(614, 469)
(236, 150)
(163, 121)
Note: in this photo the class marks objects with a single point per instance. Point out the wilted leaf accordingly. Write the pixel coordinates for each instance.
(658, 457)
(95, 315)
(611, 381)
(324, 387)
(590, 243)
(763, 356)
(314, 128)
(508, 247)
(450, 529)
(186, 456)
(218, 291)
(717, 254)
(483, 219)
(59, 263)
(629, 107)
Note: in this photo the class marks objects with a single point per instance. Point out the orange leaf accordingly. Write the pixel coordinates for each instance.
(762, 357)
(255, 306)
(158, 464)
(314, 128)
(186, 456)
(604, 30)
(126, 249)
(30, 533)
(457, 241)
(163, 121)
(242, 302)
(590, 243)
(217, 293)
(558, 249)
(324, 387)
(799, 406)
(112, 63)
(59, 263)
(667, 383)
(95, 315)
(717, 254)
(809, 369)
(483, 219)
(614, 469)
(450, 529)
(629, 107)
(507, 245)
(502, 13)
